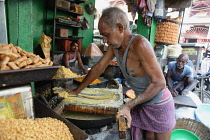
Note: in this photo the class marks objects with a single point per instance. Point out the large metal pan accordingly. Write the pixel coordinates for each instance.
(41, 111)
(88, 120)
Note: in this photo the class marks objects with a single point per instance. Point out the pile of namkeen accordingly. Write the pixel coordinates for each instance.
(63, 72)
(167, 32)
(38, 129)
(13, 58)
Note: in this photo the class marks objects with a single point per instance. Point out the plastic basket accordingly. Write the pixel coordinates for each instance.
(182, 134)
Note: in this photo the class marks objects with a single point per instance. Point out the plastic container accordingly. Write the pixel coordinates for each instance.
(16, 102)
(202, 114)
(183, 134)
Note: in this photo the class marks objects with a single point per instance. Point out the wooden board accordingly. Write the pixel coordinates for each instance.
(184, 101)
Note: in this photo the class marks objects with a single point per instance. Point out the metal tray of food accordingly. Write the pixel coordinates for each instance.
(23, 76)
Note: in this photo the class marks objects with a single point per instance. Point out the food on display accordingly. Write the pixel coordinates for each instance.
(13, 58)
(82, 78)
(113, 62)
(131, 94)
(65, 73)
(167, 32)
(39, 129)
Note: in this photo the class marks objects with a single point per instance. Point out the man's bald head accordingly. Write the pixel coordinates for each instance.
(182, 60)
(183, 56)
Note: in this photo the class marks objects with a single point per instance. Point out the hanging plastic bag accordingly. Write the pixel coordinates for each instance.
(141, 3)
(151, 5)
(45, 45)
(85, 24)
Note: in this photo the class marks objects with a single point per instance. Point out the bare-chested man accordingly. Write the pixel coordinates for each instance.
(152, 111)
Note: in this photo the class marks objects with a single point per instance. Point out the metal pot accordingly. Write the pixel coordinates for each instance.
(112, 71)
(92, 121)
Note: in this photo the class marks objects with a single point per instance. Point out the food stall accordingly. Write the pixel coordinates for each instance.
(18, 69)
(93, 107)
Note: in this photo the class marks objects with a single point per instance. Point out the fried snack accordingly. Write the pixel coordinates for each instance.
(18, 49)
(35, 59)
(5, 61)
(14, 50)
(38, 64)
(19, 60)
(167, 32)
(43, 65)
(5, 67)
(29, 61)
(13, 66)
(82, 78)
(23, 53)
(63, 72)
(29, 54)
(29, 66)
(38, 129)
(43, 60)
(4, 49)
(22, 64)
(12, 56)
(51, 63)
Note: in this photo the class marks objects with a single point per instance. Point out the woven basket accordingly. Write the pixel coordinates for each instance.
(194, 126)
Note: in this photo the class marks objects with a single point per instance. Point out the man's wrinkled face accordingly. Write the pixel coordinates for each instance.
(181, 62)
(110, 36)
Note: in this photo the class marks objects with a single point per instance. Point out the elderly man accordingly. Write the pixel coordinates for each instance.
(179, 76)
(152, 111)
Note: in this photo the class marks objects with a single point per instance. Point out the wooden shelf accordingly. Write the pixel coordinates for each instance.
(69, 38)
(69, 11)
(70, 25)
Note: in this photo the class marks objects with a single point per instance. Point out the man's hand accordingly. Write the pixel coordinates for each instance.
(174, 93)
(72, 92)
(184, 92)
(73, 69)
(125, 111)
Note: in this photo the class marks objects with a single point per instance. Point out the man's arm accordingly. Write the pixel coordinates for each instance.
(168, 83)
(80, 61)
(66, 60)
(189, 81)
(168, 79)
(95, 71)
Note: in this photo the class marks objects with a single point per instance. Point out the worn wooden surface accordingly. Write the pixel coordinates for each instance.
(184, 101)
(122, 127)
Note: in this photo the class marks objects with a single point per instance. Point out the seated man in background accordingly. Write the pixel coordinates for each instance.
(179, 76)
(71, 57)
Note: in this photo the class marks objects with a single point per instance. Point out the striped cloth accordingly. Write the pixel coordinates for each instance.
(159, 117)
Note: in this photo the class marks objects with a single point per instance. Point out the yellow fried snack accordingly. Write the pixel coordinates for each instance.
(38, 129)
(64, 73)
(82, 78)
